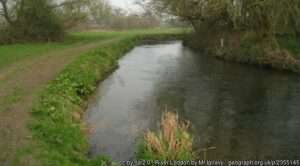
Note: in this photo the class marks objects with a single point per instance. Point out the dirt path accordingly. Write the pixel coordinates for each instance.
(19, 85)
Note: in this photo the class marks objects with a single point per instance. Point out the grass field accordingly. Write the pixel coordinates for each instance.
(13, 53)
(26, 70)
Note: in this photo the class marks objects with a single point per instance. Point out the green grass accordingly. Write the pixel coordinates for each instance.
(13, 53)
(12, 98)
(57, 129)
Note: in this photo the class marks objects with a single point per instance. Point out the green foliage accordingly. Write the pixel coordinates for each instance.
(290, 43)
(30, 20)
(253, 50)
(250, 51)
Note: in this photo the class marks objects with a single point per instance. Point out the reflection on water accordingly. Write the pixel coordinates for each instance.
(245, 112)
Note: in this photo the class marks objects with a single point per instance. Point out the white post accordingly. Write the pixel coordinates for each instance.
(222, 42)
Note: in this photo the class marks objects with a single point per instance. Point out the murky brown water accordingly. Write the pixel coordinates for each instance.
(243, 111)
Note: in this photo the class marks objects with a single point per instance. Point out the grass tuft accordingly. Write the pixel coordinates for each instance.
(172, 142)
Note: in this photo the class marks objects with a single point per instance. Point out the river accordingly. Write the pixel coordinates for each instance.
(243, 111)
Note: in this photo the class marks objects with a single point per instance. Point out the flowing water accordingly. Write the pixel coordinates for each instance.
(242, 111)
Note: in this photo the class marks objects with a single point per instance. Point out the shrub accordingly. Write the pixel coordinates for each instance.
(37, 21)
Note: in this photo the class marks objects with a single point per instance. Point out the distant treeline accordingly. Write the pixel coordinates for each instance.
(48, 20)
(103, 15)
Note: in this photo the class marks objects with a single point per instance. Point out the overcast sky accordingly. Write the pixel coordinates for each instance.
(126, 4)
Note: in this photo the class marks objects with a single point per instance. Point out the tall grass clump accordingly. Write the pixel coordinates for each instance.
(172, 142)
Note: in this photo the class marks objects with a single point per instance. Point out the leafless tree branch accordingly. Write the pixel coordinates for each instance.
(4, 12)
(66, 3)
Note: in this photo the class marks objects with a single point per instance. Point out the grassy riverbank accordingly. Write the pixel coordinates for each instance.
(57, 116)
(281, 53)
(73, 68)
(57, 124)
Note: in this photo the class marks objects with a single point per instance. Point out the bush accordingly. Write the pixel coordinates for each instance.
(38, 21)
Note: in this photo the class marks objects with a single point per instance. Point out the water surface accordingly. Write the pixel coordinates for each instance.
(245, 112)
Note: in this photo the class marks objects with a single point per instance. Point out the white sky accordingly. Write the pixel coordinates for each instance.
(128, 5)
